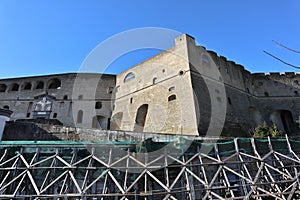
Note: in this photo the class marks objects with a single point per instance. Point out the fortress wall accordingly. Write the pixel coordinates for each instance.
(251, 98)
(163, 83)
(185, 71)
(21, 94)
(209, 72)
(276, 84)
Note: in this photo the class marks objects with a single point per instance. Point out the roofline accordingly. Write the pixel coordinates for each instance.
(58, 74)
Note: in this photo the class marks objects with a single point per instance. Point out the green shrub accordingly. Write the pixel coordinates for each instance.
(298, 121)
(264, 130)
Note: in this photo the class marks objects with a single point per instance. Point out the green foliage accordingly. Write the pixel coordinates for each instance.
(264, 130)
(298, 121)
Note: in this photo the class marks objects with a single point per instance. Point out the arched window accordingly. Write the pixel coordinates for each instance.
(266, 94)
(39, 85)
(98, 105)
(140, 118)
(154, 80)
(116, 121)
(65, 97)
(15, 87)
(54, 84)
(79, 116)
(3, 87)
(172, 97)
(171, 88)
(129, 76)
(27, 86)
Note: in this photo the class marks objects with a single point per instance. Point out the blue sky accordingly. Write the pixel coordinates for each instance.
(47, 37)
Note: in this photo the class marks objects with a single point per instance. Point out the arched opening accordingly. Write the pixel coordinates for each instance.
(141, 118)
(79, 117)
(172, 97)
(130, 76)
(171, 89)
(98, 105)
(116, 121)
(6, 107)
(54, 115)
(39, 85)
(287, 121)
(266, 94)
(3, 87)
(27, 86)
(99, 122)
(54, 84)
(154, 80)
(15, 87)
(284, 120)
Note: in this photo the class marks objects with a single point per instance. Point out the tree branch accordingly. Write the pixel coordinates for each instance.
(279, 44)
(281, 60)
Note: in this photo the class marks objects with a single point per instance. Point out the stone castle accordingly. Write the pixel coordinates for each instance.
(185, 90)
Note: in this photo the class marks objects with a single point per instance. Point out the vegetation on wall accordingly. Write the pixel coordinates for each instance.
(298, 121)
(265, 130)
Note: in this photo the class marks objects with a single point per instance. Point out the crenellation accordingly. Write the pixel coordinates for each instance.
(231, 63)
(274, 75)
(289, 74)
(156, 92)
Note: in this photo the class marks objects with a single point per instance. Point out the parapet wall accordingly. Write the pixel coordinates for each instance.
(257, 84)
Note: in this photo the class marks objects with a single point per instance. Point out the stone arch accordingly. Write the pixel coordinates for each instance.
(99, 122)
(54, 83)
(15, 87)
(140, 119)
(27, 86)
(116, 121)
(79, 117)
(39, 85)
(130, 76)
(3, 87)
(284, 120)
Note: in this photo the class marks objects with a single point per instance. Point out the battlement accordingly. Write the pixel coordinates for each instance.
(222, 61)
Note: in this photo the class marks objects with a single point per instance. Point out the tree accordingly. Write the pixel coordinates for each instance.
(279, 59)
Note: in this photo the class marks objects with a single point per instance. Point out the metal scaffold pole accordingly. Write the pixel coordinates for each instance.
(243, 168)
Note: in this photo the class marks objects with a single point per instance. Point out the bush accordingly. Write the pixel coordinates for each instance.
(264, 130)
(298, 121)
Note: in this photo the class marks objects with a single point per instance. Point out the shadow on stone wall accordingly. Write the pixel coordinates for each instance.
(26, 131)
